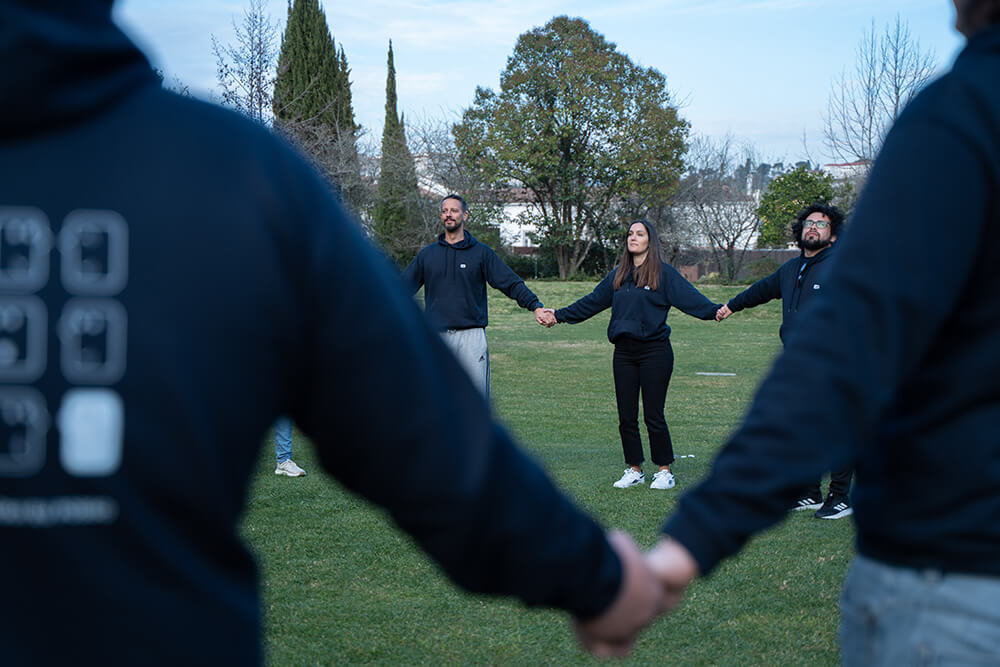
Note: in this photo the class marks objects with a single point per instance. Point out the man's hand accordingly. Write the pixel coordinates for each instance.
(675, 568)
(722, 313)
(639, 601)
(545, 316)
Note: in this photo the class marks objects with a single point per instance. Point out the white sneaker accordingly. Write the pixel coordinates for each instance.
(289, 469)
(664, 479)
(630, 478)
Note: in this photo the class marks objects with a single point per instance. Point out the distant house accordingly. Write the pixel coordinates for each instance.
(516, 228)
(429, 187)
(848, 170)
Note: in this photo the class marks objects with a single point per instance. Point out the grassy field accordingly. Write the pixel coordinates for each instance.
(342, 586)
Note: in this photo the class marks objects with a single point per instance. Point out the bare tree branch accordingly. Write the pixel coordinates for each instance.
(245, 71)
(716, 201)
(890, 69)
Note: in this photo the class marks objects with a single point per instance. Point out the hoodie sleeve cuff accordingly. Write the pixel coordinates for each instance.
(691, 533)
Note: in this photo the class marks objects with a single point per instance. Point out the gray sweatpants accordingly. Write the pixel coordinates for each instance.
(469, 347)
(893, 615)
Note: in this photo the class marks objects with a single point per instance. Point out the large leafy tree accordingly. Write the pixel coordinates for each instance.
(312, 98)
(396, 220)
(583, 128)
(786, 195)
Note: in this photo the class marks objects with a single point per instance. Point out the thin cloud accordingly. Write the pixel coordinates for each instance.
(440, 26)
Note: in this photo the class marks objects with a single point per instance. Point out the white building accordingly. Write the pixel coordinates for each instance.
(848, 170)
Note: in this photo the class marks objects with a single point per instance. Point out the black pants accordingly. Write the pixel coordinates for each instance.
(646, 367)
(840, 484)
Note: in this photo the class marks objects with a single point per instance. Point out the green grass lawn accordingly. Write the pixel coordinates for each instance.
(341, 585)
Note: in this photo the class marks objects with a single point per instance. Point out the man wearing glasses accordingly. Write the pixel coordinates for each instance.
(796, 282)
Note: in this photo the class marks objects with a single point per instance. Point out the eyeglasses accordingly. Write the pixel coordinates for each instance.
(818, 224)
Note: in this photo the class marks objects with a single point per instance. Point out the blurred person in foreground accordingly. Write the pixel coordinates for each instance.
(172, 281)
(894, 372)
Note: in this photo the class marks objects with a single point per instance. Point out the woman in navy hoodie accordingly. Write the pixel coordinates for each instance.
(640, 292)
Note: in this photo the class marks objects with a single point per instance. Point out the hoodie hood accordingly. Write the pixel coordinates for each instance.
(465, 243)
(61, 61)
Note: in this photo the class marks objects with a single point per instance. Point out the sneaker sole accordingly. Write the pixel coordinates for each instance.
(839, 515)
(662, 488)
(629, 486)
(279, 473)
(801, 508)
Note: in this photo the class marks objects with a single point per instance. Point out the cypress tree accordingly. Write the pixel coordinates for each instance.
(308, 84)
(346, 109)
(396, 219)
(312, 99)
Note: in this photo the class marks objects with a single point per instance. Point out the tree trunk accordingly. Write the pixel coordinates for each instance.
(562, 261)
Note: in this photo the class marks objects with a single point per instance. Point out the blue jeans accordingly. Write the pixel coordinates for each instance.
(894, 615)
(283, 439)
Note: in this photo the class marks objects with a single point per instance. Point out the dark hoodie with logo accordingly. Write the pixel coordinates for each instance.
(172, 278)
(796, 282)
(454, 278)
(896, 372)
(640, 313)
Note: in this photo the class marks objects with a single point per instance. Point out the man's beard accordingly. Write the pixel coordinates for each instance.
(452, 225)
(814, 244)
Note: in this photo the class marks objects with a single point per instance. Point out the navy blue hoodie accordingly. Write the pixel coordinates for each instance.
(454, 277)
(796, 282)
(895, 372)
(172, 280)
(639, 312)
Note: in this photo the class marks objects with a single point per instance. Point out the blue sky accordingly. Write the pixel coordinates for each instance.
(760, 70)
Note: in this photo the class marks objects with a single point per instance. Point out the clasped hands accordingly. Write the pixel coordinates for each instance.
(652, 584)
(545, 316)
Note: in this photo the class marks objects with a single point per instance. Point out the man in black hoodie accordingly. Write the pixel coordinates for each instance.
(171, 281)
(893, 371)
(454, 272)
(796, 283)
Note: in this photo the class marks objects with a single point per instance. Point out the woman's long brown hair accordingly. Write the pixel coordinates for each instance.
(647, 275)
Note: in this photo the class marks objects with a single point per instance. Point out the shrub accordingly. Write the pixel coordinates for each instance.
(762, 268)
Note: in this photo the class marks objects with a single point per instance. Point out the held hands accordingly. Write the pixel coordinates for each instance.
(722, 313)
(652, 584)
(675, 567)
(545, 316)
(639, 601)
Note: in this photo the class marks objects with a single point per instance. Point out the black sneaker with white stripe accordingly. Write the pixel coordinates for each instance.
(806, 503)
(835, 507)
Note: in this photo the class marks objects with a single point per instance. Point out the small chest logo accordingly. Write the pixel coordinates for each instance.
(461, 266)
(815, 285)
(646, 287)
